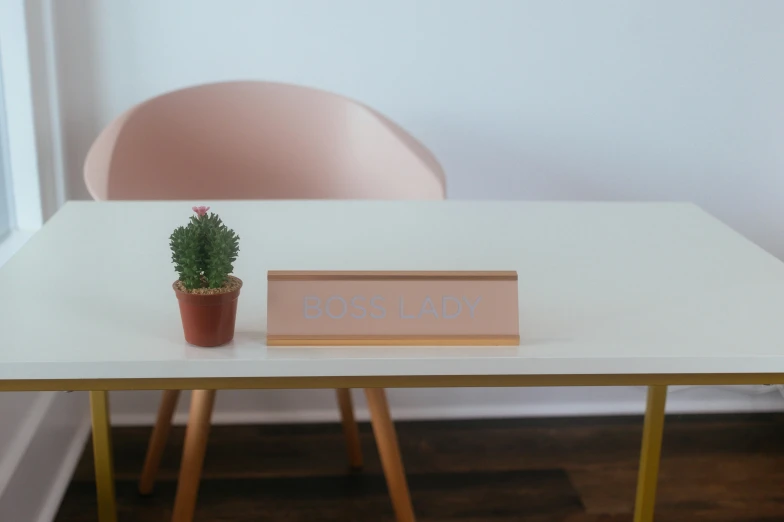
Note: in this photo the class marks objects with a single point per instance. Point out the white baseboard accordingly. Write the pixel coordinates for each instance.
(294, 406)
(62, 477)
(39, 461)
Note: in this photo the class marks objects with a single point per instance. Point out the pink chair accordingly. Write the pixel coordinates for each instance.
(260, 140)
(257, 140)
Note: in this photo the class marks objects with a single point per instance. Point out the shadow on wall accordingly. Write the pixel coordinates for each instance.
(618, 136)
(535, 164)
(79, 87)
(479, 164)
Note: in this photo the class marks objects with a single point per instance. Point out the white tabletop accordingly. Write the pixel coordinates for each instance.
(605, 288)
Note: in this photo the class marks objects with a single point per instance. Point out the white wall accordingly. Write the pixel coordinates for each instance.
(41, 434)
(41, 439)
(520, 99)
(672, 100)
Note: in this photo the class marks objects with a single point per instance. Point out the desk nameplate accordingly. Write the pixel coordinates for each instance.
(392, 308)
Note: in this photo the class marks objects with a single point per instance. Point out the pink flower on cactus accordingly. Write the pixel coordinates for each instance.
(201, 211)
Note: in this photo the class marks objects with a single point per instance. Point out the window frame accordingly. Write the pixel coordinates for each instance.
(18, 130)
(7, 203)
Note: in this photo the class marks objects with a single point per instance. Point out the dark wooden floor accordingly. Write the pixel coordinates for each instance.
(714, 468)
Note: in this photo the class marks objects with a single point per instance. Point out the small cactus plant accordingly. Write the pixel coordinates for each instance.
(203, 251)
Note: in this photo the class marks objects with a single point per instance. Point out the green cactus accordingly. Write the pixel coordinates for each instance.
(203, 251)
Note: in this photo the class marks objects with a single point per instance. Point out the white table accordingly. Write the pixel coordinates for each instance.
(610, 294)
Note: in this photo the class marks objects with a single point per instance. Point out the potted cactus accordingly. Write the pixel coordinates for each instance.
(203, 253)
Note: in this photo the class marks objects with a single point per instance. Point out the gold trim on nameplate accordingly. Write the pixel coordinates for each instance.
(392, 308)
(370, 275)
(393, 340)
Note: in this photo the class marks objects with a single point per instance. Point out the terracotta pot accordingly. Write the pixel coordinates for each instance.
(208, 320)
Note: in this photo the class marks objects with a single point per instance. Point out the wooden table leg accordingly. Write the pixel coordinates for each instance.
(350, 428)
(160, 433)
(102, 451)
(388, 449)
(650, 454)
(202, 402)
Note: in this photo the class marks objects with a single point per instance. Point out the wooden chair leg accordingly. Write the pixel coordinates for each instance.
(160, 433)
(202, 402)
(388, 449)
(350, 429)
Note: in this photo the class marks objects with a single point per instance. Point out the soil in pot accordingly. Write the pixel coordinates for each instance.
(208, 314)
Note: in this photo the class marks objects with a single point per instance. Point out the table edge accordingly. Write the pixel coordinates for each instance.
(394, 381)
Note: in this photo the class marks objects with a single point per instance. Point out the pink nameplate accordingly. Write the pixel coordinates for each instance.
(392, 308)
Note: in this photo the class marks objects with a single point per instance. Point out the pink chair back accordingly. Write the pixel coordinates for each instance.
(258, 140)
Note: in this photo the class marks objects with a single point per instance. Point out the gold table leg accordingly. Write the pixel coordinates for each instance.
(102, 450)
(650, 454)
